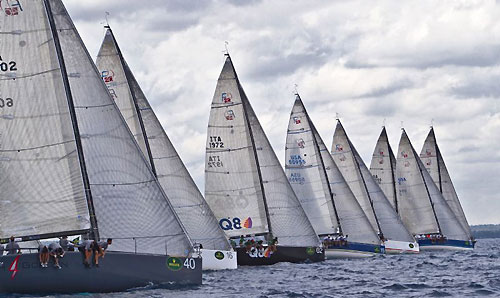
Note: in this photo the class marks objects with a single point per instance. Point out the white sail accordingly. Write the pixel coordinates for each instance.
(189, 204)
(383, 168)
(41, 185)
(422, 207)
(130, 206)
(307, 158)
(434, 163)
(249, 181)
(370, 195)
(306, 173)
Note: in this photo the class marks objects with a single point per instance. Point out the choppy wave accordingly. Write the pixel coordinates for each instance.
(430, 274)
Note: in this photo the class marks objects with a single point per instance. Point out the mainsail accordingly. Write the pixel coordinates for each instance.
(383, 168)
(421, 206)
(318, 183)
(189, 204)
(69, 102)
(245, 183)
(434, 163)
(366, 190)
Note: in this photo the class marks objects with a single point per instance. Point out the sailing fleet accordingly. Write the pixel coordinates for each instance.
(83, 154)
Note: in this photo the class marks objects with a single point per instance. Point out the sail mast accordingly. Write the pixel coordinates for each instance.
(363, 180)
(322, 166)
(259, 173)
(94, 232)
(134, 98)
(426, 188)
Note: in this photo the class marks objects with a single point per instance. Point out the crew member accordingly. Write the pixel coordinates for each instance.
(12, 247)
(86, 247)
(43, 255)
(56, 252)
(1, 250)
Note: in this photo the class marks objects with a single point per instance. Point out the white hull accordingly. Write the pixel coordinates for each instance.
(344, 253)
(225, 260)
(445, 247)
(401, 247)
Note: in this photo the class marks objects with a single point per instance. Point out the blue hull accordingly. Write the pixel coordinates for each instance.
(358, 247)
(446, 244)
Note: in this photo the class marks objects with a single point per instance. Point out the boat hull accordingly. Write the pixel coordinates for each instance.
(282, 254)
(448, 244)
(116, 272)
(401, 247)
(353, 250)
(218, 259)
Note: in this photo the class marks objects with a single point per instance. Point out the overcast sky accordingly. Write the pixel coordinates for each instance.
(410, 61)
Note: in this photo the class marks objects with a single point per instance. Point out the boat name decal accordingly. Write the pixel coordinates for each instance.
(219, 255)
(174, 264)
(215, 162)
(296, 159)
(296, 178)
(215, 142)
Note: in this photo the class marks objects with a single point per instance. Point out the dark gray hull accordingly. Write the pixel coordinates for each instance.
(116, 272)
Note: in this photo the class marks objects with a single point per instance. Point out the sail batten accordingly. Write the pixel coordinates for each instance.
(173, 176)
(251, 201)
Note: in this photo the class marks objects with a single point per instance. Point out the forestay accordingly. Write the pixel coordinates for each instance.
(388, 221)
(434, 163)
(345, 214)
(422, 207)
(129, 203)
(250, 179)
(41, 185)
(189, 204)
(383, 168)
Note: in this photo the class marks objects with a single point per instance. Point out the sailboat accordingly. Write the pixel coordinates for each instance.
(330, 205)
(383, 218)
(383, 168)
(422, 207)
(246, 186)
(166, 164)
(70, 166)
(434, 163)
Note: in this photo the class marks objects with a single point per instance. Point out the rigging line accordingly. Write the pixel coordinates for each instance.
(123, 183)
(28, 75)
(215, 150)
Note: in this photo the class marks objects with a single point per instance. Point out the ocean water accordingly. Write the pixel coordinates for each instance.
(428, 274)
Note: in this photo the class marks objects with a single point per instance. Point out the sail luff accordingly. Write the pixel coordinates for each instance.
(252, 140)
(94, 232)
(134, 99)
(322, 164)
(427, 189)
(392, 161)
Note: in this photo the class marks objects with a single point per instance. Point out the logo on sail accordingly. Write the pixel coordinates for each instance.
(296, 120)
(428, 162)
(404, 154)
(301, 143)
(235, 224)
(381, 161)
(11, 7)
(428, 152)
(107, 76)
(381, 152)
(226, 97)
(229, 115)
(339, 147)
